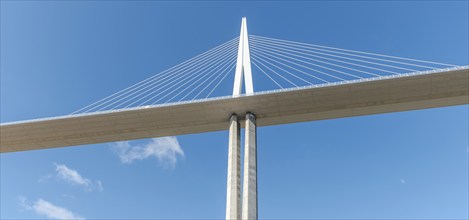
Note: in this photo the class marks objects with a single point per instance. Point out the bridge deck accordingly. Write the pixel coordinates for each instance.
(419, 91)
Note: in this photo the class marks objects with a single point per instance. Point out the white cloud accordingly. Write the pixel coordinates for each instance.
(99, 185)
(165, 149)
(23, 202)
(45, 178)
(47, 209)
(73, 177)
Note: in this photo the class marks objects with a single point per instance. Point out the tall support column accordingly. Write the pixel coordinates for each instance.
(250, 169)
(233, 189)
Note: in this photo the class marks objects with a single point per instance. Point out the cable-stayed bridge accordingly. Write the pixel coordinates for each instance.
(284, 82)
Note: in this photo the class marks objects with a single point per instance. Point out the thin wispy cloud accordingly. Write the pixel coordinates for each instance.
(68, 196)
(72, 177)
(403, 181)
(165, 149)
(47, 209)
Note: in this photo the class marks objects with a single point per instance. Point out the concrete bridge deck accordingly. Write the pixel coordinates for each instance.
(379, 95)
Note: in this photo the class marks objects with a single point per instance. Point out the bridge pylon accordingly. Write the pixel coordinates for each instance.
(243, 64)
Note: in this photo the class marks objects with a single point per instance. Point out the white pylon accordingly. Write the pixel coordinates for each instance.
(243, 65)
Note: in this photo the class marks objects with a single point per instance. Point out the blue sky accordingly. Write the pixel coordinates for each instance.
(57, 57)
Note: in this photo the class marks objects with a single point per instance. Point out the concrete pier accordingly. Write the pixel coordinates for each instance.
(249, 210)
(233, 189)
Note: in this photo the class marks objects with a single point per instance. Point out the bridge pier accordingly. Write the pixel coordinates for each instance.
(233, 189)
(249, 210)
